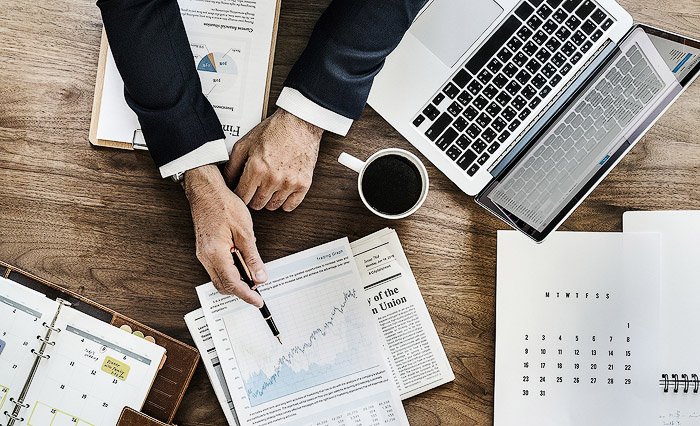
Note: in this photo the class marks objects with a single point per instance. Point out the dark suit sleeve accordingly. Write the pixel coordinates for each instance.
(152, 53)
(347, 49)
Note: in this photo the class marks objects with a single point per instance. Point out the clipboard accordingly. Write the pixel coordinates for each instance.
(172, 379)
(138, 142)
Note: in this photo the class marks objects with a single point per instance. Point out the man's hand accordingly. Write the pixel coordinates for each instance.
(221, 223)
(275, 162)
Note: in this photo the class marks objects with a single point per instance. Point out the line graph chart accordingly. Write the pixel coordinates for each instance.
(321, 327)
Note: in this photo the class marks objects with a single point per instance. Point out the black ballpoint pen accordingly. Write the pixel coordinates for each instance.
(246, 278)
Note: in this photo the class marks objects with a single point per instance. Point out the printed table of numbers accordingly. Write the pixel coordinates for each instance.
(576, 329)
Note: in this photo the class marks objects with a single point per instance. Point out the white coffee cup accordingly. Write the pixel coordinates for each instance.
(360, 167)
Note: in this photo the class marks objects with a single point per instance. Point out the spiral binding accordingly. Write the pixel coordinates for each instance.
(683, 382)
(45, 342)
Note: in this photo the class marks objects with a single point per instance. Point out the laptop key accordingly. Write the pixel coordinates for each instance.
(461, 78)
(544, 11)
(484, 76)
(493, 44)
(588, 27)
(446, 138)
(455, 109)
(493, 109)
(546, 89)
(503, 136)
(568, 48)
(509, 113)
(513, 88)
(490, 91)
(585, 9)
(464, 98)
(483, 120)
(494, 66)
(514, 125)
(500, 81)
(533, 66)
(538, 81)
(524, 33)
(550, 26)
(503, 98)
(509, 70)
(528, 92)
(463, 141)
(560, 16)
(453, 152)
(466, 159)
(596, 35)
(518, 103)
(438, 98)
(554, 80)
(524, 11)
(438, 126)
(598, 16)
(576, 57)
(485, 156)
(534, 22)
(565, 69)
(578, 37)
(419, 120)
(608, 22)
(524, 114)
(474, 87)
(493, 147)
(431, 112)
(470, 113)
(534, 102)
(473, 131)
(479, 146)
(499, 124)
(548, 70)
(570, 5)
(554, 3)
(523, 77)
(473, 169)
(488, 135)
(480, 102)
(451, 90)
(540, 37)
(514, 44)
(530, 48)
(460, 124)
(505, 54)
(562, 33)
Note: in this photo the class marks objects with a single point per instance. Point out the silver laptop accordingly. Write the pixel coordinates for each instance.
(528, 104)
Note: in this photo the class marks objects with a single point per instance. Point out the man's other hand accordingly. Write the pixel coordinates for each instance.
(221, 223)
(275, 162)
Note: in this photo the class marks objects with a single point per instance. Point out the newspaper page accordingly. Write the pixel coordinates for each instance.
(329, 370)
(231, 42)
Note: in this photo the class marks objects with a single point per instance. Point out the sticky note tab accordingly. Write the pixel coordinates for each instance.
(2, 345)
(115, 368)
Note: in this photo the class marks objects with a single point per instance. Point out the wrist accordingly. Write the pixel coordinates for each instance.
(202, 179)
(299, 123)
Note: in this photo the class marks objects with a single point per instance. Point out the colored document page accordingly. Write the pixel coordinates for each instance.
(577, 329)
(92, 371)
(680, 292)
(231, 43)
(330, 369)
(199, 330)
(413, 349)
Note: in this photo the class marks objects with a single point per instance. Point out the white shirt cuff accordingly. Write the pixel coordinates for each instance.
(213, 152)
(292, 101)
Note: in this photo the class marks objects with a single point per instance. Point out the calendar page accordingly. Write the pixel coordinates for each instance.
(94, 370)
(22, 313)
(576, 329)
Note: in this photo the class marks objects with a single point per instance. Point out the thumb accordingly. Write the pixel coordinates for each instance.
(252, 259)
(234, 166)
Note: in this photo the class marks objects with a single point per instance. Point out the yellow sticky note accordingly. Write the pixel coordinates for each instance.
(115, 368)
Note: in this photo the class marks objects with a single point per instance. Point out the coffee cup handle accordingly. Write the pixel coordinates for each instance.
(351, 162)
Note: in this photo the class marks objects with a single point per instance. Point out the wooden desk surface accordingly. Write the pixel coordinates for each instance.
(103, 223)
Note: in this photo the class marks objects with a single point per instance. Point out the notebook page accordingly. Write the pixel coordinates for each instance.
(94, 370)
(680, 293)
(576, 321)
(22, 313)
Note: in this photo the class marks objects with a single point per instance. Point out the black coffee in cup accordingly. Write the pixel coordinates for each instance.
(392, 184)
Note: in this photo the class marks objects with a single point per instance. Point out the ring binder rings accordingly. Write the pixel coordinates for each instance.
(171, 382)
(19, 404)
(684, 381)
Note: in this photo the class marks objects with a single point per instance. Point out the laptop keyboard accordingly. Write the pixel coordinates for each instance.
(509, 76)
(580, 141)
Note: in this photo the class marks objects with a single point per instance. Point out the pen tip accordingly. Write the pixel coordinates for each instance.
(279, 340)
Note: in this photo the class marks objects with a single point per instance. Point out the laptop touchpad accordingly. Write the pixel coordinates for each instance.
(448, 28)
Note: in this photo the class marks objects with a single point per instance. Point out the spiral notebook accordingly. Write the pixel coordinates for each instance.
(61, 366)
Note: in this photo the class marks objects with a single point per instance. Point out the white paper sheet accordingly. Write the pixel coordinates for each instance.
(680, 316)
(576, 329)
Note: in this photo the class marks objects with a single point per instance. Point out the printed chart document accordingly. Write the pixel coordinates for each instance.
(577, 329)
(231, 41)
(416, 357)
(330, 369)
(680, 323)
(199, 330)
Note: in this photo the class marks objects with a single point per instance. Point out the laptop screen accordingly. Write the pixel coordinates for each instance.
(580, 145)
